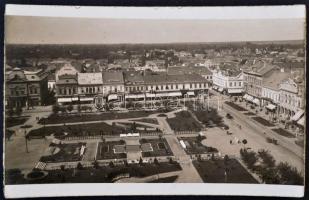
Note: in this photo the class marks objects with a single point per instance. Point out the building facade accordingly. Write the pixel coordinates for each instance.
(25, 88)
(227, 83)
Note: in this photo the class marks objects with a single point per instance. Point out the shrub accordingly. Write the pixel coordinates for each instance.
(269, 176)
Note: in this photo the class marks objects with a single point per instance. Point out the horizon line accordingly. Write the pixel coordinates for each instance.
(171, 43)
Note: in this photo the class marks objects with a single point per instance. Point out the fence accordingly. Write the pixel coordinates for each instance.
(186, 133)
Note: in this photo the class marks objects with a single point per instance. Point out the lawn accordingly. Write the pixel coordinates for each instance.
(100, 175)
(68, 153)
(235, 106)
(249, 113)
(141, 128)
(184, 122)
(160, 147)
(283, 132)
(10, 122)
(106, 150)
(263, 121)
(67, 118)
(193, 146)
(77, 130)
(208, 117)
(213, 171)
(148, 120)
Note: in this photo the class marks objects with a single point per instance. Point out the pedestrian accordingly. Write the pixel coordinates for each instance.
(230, 141)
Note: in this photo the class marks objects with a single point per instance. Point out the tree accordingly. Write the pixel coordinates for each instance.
(96, 164)
(250, 158)
(289, 175)
(56, 109)
(268, 159)
(244, 141)
(141, 161)
(70, 108)
(111, 164)
(19, 110)
(156, 162)
(226, 159)
(269, 176)
(79, 166)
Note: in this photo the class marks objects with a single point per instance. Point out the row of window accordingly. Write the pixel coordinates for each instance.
(67, 91)
(22, 92)
(166, 87)
(235, 83)
(253, 80)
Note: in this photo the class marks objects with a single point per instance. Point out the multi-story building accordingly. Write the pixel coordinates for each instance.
(113, 85)
(253, 80)
(89, 86)
(25, 88)
(231, 83)
(292, 101)
(270, 87)
(66, 89)
(156, 65)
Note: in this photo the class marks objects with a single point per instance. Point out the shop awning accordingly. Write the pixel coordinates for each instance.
(175, 94)
(271, 106)
(190, 93)
(215, 87)
(245, 96)
(234, 91)
(162, 95)
(64, 100)
(86, 99)
(220, 89)
(301, 121)
(149, 95)
(249, 98)
(256, 101)
(134, 96)
(74, 98)
(112, 97)
(297, 115)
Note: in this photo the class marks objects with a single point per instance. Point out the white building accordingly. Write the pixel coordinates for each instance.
(228, 83)
(291, 98)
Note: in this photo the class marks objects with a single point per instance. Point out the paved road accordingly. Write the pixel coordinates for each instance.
(260, 129)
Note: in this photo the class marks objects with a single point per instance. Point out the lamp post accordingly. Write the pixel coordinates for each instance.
(25, 135)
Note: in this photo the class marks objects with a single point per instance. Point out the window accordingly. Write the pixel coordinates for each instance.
(231, 84)
(239, 83)
(161, 87)
(35, 90)
(115, 89)
(234, 83)
(126, 89)
(177, 87)
(190, 85)
(69, 90)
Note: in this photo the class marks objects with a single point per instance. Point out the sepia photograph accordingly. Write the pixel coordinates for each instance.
(213, 97)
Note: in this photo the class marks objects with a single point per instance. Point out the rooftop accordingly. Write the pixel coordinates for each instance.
(112, 77)
(163, 78)
(89, 78)
(275, 78)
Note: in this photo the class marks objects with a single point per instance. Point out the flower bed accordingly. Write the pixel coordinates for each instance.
(235, 106)
(283, 132)
(263, 121)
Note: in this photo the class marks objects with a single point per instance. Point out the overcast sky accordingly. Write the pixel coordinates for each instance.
(55, 30)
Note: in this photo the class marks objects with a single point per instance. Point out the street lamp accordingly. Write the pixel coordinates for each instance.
(25, 135)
